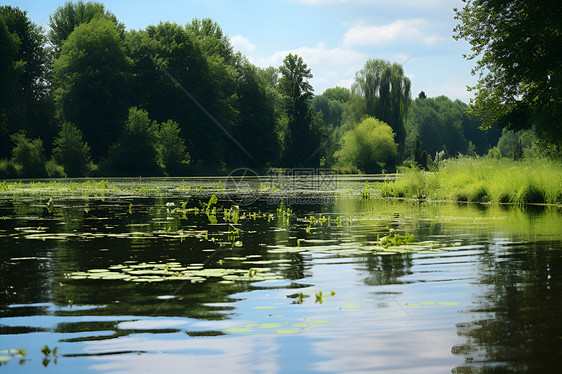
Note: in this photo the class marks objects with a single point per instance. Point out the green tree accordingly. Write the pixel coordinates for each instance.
(511, 143)
(67, 17)
(136, 152)
(440, 124)
(30, 154)
(172, 152)
(332, 105)
(302, 133)
(9, 45)
(256, 130)
(91, 77)
(368, 147)
(175, 79)
(386, 95)
(71, 151)
(340, 94)
(520, 64)
(25, 102)
(213, 40)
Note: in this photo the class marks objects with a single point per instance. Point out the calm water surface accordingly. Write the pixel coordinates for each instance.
(148, 284)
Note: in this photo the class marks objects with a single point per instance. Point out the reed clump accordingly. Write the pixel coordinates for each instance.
(483, 180)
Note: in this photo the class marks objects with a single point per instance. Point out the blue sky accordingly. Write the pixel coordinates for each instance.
(334, 37)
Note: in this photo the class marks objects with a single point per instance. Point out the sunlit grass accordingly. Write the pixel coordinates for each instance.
(482, 180)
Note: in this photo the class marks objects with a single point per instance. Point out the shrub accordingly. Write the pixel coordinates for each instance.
(29, 154)
(369, 147)
(71, 152)
(54, 170)
(135, 153)
(8, 169)
(172, 152)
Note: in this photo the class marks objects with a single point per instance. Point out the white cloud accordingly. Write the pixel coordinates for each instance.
(408, 3)
(399, 30)
(325, 2)
(242, 44)
(328, 65)
(453, 88)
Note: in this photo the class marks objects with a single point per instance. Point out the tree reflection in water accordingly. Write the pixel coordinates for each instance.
(520, 329)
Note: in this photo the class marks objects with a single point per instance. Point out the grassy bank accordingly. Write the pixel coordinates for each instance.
(483, 180)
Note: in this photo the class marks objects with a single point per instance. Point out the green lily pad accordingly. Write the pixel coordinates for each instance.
(300, 324)
(448, 303)
(350, 307)
(237, 330)
(270, 325)
(318, 321)
(264, 307)
(287, 331)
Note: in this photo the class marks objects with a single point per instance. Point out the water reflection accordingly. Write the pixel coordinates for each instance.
(481, 295)
(519, 328)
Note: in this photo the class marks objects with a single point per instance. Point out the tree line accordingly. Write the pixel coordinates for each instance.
(171, 99)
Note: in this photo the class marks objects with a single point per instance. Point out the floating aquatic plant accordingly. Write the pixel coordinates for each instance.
(171, 271)
(395, 240)
(8, 354)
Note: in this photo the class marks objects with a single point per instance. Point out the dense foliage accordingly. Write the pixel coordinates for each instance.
(444, 125)
(385, 93)
(520, 62)
(88, 97)
(91, 78)
(368, 147)
(25, 103)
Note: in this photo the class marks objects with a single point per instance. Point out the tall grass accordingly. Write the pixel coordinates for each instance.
(482, 180)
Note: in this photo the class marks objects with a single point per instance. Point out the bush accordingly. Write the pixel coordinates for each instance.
(135, 154)
(369, 147)
(55, 170)
(71, 152)
(29, 154)
(172, 152)
(8, 169)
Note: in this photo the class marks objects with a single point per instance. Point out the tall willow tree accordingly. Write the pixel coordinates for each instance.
(386, 94)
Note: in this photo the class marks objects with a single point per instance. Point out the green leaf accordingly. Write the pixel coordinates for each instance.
(46, 350)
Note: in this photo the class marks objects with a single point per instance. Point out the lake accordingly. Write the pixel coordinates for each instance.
(266, 279)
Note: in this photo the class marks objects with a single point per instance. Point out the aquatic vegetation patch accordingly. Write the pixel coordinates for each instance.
(171, 271)
(9, 354)
(392, 244)
(482, 180)
(395, 239)
(283, 328)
